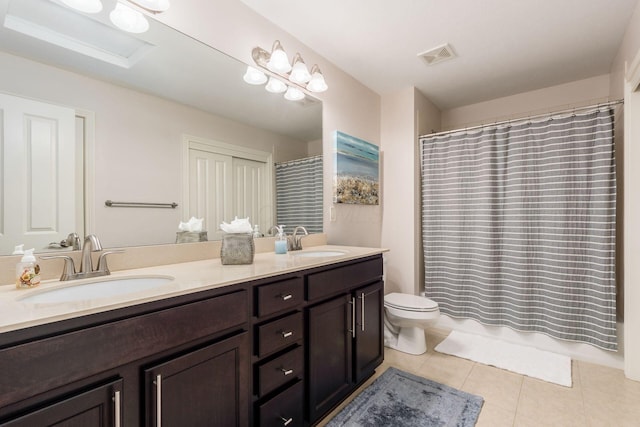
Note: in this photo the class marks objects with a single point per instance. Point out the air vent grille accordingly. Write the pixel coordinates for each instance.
(438, 54)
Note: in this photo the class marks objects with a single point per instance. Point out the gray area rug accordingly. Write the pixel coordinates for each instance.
(398, 398)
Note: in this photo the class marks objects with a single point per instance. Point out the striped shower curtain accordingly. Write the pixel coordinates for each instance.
(299, 194)
(518, 224)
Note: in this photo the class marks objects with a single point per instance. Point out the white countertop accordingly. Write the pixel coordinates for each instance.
(188, 277)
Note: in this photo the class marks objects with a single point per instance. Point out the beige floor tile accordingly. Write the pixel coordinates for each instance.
(452, 371)
(608, 380)
(495, 416)
(550, 404)
(406, 362)
(498, 387)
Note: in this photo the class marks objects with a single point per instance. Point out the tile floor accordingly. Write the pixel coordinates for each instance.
(600, 396)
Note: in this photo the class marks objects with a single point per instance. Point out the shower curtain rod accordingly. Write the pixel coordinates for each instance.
(537, 116)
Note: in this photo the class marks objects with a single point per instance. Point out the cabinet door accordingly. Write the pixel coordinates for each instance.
(369, 345)
(99, 406)
(329, 345)
(206, 387)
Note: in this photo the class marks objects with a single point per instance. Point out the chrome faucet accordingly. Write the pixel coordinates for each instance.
(295, 241)
(91, 244)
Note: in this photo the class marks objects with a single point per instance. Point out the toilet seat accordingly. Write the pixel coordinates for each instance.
(410, 302)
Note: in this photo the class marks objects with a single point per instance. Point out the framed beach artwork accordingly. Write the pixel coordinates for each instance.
(357, 167)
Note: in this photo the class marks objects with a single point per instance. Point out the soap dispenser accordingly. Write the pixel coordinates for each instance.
(27, 271)
(281, 241)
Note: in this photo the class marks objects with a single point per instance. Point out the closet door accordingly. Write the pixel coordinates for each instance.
(210, 190)
(38, 149)
(250, 192)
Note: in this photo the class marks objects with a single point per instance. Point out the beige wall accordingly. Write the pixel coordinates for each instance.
(348, 106)
(569, 95)
(137, 155)
(405, 114)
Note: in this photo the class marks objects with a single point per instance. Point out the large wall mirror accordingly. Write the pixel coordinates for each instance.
(90, 113)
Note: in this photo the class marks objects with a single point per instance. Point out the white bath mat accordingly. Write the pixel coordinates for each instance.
(529, 361)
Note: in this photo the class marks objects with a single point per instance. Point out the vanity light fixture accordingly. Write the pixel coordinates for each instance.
(123, 16)
(278, 61)
(275, 85)
(293, 94)
(86, 6)
(276, 65)
(299, 72)
(253, 76)
(128, 19)
(317, 83)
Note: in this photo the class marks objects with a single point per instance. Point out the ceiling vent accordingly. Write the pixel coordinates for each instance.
(438, 54)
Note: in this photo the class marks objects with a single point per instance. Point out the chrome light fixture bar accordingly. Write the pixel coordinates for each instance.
(283, 76)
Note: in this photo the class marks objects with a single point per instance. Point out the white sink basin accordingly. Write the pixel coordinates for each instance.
(98, 288)
(318, 254)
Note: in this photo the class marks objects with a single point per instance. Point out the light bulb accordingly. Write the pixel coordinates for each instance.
(299, 73)
(279, 61)
(86, 6)
(253, 76)
(275, 86)
(128, 19)
(317, 83)
(294, 94)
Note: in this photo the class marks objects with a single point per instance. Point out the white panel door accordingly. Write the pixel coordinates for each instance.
(39, 173)
(251, 198)
(210, 190)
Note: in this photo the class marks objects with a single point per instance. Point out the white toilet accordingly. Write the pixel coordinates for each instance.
(405, 317)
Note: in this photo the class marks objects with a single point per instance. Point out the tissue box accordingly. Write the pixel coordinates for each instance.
(237, 249)
(191, 236)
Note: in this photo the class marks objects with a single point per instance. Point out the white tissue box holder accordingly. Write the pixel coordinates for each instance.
(191, 236)
(237, 249)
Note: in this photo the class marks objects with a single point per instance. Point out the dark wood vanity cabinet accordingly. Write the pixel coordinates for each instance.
(280, 351)
(107, 373)
(344, 333)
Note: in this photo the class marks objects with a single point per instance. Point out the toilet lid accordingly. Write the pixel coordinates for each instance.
(409, 302)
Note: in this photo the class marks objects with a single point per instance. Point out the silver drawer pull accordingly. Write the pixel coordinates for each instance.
(287, 334)
(158, 383)
(286, 371)
(286, 297)
(286, 421)
(116, 401)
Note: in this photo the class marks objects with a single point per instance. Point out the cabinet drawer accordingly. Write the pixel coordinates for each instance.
(284, 409)
(280, 333)
(279, 296)
(281, 370)
(330, 282)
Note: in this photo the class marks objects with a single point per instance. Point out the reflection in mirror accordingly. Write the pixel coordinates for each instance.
(137, 102)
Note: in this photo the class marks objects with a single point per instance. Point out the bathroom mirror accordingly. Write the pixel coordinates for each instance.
(137, 99)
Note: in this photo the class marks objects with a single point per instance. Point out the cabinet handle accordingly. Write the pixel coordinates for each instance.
(362, 312)
(286, 297)
(286, 371)
(286, 421)
(158, 383)
(116, 410)
(287, 334)
(353, 317)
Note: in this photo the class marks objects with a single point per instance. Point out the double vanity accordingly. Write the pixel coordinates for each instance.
(279, 342)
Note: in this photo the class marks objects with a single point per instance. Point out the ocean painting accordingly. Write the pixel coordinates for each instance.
(357, 168)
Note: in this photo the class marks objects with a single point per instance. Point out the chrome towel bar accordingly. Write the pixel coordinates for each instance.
(113, 204)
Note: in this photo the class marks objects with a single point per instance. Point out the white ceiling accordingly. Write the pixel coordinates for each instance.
(503, 47)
